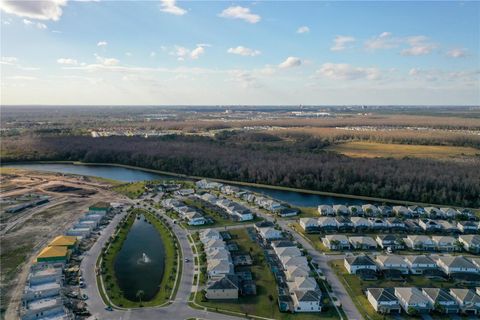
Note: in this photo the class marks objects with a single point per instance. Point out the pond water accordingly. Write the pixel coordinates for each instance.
(140, 263)
(132, 175)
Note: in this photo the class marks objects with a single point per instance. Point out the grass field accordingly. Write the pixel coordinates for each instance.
(132, 190)
(356, 287)
(386, 150)
(171, 268)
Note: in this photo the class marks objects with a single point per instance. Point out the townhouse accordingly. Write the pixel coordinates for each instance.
(326, 210)
(353, 264)
(413, 300)
(446, 243)
(441, 300)
(468, 226)
(419, 242)
(392, 262)
(336, 242)
(468, 300)
(383, 300)
(364, 243)
(470, 242)
(455, 264)
(370, 210)
(390, 241)
(418, 264)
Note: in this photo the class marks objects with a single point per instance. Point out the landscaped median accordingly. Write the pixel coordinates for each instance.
(107, 281)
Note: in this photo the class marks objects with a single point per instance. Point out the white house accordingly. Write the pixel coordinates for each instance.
(365, 243)
(307, 300)
(446, 243)
(326, 210)
(413, 298)
(419, 242)
(336, 242)
(370, 210)
(270, 233)
(340, 209)
(470, 242)
(454, 264)
(355, 263)
(327, 223)
(383, 300)
(360, 223)
(419, 263)
(392, 262)
(308, 224)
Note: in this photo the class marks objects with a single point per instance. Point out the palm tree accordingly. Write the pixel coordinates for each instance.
(139, 295)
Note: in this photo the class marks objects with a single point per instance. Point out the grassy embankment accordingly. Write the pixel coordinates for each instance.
(356, 288)
(171, 265)
(359, 149)
(259, 305)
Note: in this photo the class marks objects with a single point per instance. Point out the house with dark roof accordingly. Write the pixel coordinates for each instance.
(390, 241)
(419, 242)
(429, 225)
(344, 223)
(446, 243)
(225, 288)
(383, 300)
(362, 262)
(467, 226)
(363, 243)
(441, 300)
(395, 223)
(307, 300)
(467, 299)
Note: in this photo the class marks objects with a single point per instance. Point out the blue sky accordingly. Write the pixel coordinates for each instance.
(227, 52)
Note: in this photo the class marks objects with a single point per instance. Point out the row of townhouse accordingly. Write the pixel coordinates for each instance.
(414, 300)
(90, 221)
(193, 216)
(304, 290)
(412, 264)
(341, 223)
(234, 209)
(222, 283)
(371, 210)
(467, 242)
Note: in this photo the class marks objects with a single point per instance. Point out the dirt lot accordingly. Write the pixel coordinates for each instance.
(24, 233)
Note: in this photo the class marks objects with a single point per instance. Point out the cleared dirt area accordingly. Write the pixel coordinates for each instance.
(390, 150)
(24, 233)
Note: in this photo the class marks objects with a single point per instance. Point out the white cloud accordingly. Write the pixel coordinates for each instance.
(183, 53)
(344, 71)
(441, 76)
(102, 44)
(303, 29)
(457, 53)
(22, 78)
(419, 45)
(382, 41)
(240, 13)
(41, 10)
(197, 52)
(170, 6)
(153, 54)
(342, 42)
(109, 62)
(244, 51)
(27, 22)
(67, 61)
(41, 26)
(128, 54)
(9, 60)
(245, 78)
(290, 62)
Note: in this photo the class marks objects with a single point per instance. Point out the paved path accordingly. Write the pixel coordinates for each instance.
(178, 309)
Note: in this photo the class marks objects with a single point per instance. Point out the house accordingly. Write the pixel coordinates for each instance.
(448, 213)
(326, 210)
(355, 210)
(378, 223)
(344, 223)
(44, 275)
(307, 300)
(288, 252)
(270, 233)
(225, 288)
(263, 224)
(467, 226)
(385, 211)
(446, 243)
(327, 223)
(416, 211)
(210, 234)
(309, 224)
(206, 184)
(287, 212)
(41, 290)
(370, 210)
(340, 209)
(46, 308)
(395, 223)
(383, 300)
(468, 300)
(360, 223)
(470, 242)
(64, 241)
(419, 263)
(303, 283)
(412, 226)
(292, 272)
(294, 261)
(433, 212)
(336, 242)
(214, 244)
(401, 211)
(419, 242)
(454, 264)
(185, 192)
(467, 213)
(217, 268)
(448, 227)
(441, 300)
(219, 254)
(362, 262)
(413, 300)
(53, 254)
(100, 208)
(365, 243)
(429, 225)
(392, 262)
(390, 241)
(195, 219)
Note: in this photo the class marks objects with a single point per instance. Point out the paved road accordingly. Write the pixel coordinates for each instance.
(178, 309)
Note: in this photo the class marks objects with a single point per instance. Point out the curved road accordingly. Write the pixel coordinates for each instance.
(177, 310)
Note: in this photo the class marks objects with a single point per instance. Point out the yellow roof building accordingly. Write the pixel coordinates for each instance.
(54, 253)
(64, 241)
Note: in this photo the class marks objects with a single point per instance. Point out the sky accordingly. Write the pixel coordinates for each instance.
(240, 52)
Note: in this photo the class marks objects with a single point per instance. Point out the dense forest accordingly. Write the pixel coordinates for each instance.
(265, 160)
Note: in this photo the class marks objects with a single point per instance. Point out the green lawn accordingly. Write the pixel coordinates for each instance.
(260, 305)
(171, 265)
(132, 190)
(356, 287)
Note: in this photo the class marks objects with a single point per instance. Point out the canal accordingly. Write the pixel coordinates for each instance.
(139, 264)
(131, 175)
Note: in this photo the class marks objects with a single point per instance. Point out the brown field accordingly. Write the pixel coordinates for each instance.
(384, 150)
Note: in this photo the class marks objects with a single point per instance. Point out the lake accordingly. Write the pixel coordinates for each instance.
(131, 175)
(140, 263)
